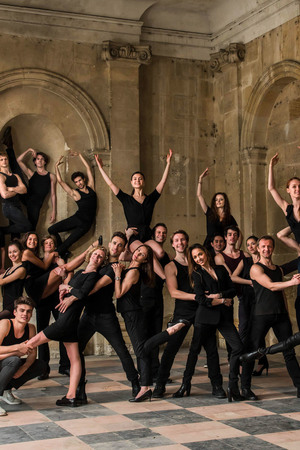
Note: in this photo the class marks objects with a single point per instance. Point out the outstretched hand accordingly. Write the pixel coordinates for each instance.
(274, 160)
(99, 161)
(204, 174)
(169, 156)
(60, 161)
(33, 152)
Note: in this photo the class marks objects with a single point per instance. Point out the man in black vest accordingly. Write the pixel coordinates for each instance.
(15, 370)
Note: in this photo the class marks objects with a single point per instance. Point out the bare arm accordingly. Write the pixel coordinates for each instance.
(53, 197)
(29, 256)
(220, 261)
(18, 274)
(283, 235)
(30, 358)
(163, 180)
(131, 278)
(28, 172)
(106, 178)
(202, 201)
(271, 185)
(71, 192)
(172, 284)
(91, 181)
(9, 350)
(9, 192)
(236, 275)
(257, 274)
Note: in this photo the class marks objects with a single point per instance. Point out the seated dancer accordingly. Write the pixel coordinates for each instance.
(218, 216)
(138, 209)
(12, 280)
(127, 291)
(15, 370)
(65, 328)
(86, 199)
(269, 312)
(214, 294)
(10, 186)
(291, 211)
(41, 182)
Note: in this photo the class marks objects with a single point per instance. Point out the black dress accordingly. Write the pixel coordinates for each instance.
(65, 328)
(12, 290)
(214, 226)
(36, 280)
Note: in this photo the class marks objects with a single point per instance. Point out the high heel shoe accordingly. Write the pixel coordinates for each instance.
(145, 396)
(258, 373)
(185, 388)
(234, 393)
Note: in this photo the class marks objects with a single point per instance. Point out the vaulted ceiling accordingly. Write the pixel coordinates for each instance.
(183, 28)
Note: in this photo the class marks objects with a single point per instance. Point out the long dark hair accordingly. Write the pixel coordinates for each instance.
(192, 265)
(214, 212)
(146, 268)
(24, 239)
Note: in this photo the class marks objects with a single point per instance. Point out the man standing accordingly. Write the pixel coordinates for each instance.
(86, 199)
(269, 312)
(14, 370)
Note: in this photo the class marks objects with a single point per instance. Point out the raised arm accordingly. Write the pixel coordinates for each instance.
(91, 181)
(172, 284)
(63, 184)
(202, 201)
(28, 172)
(106, 178)
(257, 274)
(163, 180)
(283, 235)
(271, 185)
(53, 197)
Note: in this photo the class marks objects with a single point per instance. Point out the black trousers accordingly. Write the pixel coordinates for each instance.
(43, 314)
(74, 224)
(281, 325)
(10, 365)
(107, 325)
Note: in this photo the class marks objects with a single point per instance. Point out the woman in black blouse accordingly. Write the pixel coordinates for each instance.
(218, 215)
(138, 209)
(214, 292)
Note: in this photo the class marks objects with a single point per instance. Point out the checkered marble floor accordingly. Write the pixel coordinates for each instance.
(109, 421)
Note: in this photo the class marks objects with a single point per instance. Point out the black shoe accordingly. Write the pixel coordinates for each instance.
(135, 388)
(7, 138)
(81, 397)
(253, 355)
(249, 395)
(64, 372)
(169, 381)
(159, 391)
(72, 402)
(219, 392)
(43, 376)
(185, 388)
(234, 393)
(298, 392)
(146, 396)
(258, 373)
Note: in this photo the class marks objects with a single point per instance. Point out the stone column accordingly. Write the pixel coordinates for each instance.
(123, 63)
(254, 188)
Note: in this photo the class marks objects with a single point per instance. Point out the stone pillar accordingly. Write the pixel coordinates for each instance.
(254, 188)
(123, 63)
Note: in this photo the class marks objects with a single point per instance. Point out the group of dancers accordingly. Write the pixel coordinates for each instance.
(203, 280)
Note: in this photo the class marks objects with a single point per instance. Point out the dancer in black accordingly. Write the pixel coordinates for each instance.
(214, 293)
(218, 215)
(65, 328)
(41, 182)
(269, 312)
(10, 186)
(12, 280)
(86, 199)
(138, 209)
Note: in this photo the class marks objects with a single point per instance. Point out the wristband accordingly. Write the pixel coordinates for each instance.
(117, 278)
(223, 301)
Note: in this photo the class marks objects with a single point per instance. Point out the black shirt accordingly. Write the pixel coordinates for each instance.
(101, 302)
(87, 205)
(131, 300)
(11, 181)
(183, 284)
(215, 226)
(150, 296)
(11, 339)
(267, 301)
(38, 187)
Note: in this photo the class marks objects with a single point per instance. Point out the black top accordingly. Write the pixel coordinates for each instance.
(205, 284)
(38, 187)
(11, 181)
(101, 302)
(151, 295)
(183, 284)
(293, 223)
(214, 226)
(11, 339)
(12, 290)
(267, 301)
(131, 300)
(247, 290)
(232, 264)
(87, 205)
(137, 214)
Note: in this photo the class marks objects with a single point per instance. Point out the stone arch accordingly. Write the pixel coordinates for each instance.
(254, 142)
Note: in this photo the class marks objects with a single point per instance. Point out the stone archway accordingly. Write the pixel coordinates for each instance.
(254, 142)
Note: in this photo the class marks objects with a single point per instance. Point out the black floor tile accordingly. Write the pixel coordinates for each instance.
(265, 424)
(11, 435)
(39, 431)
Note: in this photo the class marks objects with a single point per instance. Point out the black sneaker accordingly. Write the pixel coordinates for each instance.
(71, 402)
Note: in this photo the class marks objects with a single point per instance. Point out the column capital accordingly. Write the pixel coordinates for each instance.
(234, 53)
(113, 51)
(254, 155)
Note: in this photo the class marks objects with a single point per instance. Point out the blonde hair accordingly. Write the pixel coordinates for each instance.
(98, 247)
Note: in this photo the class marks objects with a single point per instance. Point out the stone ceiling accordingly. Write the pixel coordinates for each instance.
(180, 28)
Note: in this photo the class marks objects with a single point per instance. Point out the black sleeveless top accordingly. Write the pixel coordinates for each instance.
(11, 339)
(293, 223)
(183, 284)
(267, 301)
(11, 181)
(12, 290)
(87, 205)
(131, 300)
(38, 187)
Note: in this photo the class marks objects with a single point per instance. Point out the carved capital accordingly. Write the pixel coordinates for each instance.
(112, 51)
(232, 54)
(254, 155)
